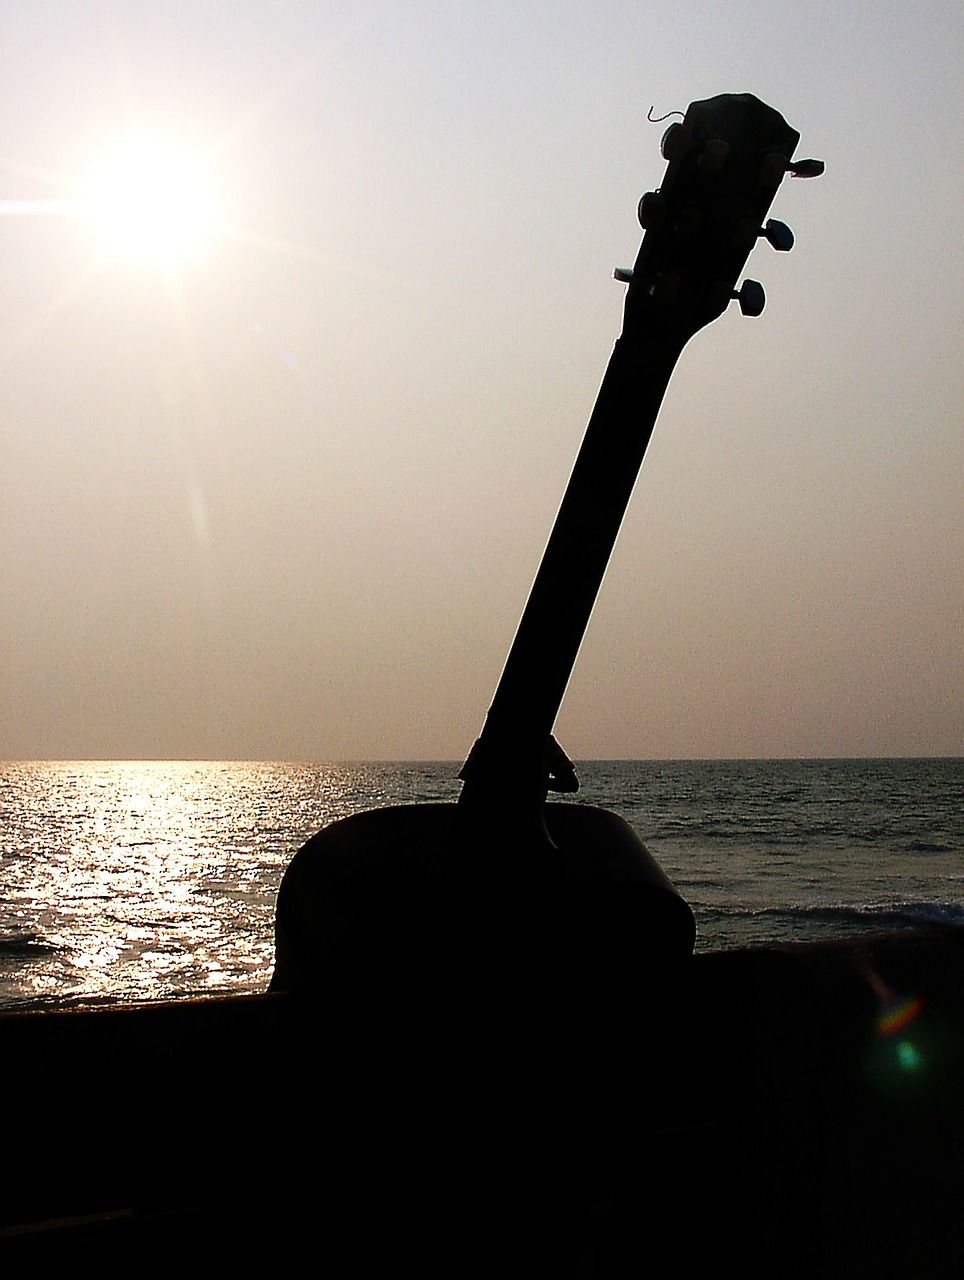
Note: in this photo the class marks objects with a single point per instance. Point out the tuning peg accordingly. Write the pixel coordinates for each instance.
(751, 297)
(806, 168)
(623, 274)
(676, 141)
(775, 165)
(777, 234)
(651, 210)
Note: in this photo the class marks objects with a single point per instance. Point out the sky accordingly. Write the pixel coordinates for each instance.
(283, 497)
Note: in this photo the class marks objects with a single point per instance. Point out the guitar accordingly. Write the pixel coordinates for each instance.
(502, 882)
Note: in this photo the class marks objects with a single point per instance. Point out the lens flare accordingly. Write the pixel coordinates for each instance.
(898, 1012)
(908, 1055)
(893, 1057)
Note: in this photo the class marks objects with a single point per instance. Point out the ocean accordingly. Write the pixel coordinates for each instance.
(138, 881)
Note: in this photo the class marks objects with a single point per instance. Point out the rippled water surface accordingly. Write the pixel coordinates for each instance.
(142, 881)
(152, 880)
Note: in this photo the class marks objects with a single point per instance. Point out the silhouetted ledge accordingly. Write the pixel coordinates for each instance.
(794, 1111)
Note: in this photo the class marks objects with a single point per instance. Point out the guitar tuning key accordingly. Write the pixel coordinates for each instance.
(751, 298)
(676, 141)
(806, 168)
(775, 165)
(651, 209)
(777, 234)
(623, 274)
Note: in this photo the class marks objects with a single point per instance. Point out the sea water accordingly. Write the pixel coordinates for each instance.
(145, 881)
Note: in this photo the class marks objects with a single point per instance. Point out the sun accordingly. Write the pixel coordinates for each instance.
(153, 201)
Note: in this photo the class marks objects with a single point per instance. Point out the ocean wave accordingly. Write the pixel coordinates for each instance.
(910, 914)
(884, 915)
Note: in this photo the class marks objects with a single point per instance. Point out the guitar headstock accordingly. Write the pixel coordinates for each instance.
(726, 160)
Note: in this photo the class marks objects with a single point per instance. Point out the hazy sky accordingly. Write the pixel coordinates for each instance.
(287, 501)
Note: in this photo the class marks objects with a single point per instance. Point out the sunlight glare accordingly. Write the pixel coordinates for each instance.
(153, 202)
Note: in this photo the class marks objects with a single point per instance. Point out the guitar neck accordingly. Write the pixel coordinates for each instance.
(725, 161)
(517, 728)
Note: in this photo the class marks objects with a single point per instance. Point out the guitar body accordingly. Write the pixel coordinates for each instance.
(477, 1073)
(384, 885)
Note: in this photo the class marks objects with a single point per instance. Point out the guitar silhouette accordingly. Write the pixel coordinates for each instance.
(500, 984)
(503, 881)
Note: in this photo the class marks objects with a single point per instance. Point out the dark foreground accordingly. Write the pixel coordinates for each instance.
(794, 1112)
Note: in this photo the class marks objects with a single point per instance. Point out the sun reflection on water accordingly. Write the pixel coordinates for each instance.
(141, 881)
